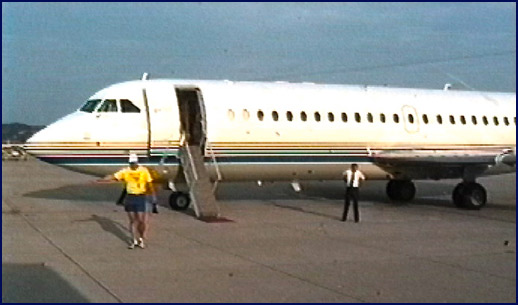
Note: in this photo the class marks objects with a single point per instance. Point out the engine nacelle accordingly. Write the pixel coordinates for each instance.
(507, 157)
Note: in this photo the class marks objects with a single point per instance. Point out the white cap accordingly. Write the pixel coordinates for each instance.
(133, 158)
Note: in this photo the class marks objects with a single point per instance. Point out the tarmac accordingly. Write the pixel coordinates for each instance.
(65, 240)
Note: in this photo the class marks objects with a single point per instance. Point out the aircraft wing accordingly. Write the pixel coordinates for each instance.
(441, 164)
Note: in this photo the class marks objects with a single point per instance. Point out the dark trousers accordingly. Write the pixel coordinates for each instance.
(351, 193)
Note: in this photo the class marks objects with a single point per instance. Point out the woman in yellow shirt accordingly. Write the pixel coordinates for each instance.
(138, 184)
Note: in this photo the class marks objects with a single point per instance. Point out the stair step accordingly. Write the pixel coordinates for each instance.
(204, 201)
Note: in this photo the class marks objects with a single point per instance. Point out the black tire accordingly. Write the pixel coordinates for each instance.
(179, 201)
(457, 195)
(406, 190)
(401, 190)
(391, 190)
(474, 196)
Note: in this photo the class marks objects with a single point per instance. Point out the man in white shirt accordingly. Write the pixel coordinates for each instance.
(353, 178)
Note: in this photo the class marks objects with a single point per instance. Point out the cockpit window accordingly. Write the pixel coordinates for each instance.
(127, 106)
(108, 106)
(90, 106)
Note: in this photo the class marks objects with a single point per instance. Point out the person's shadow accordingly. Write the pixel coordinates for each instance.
(110, 226)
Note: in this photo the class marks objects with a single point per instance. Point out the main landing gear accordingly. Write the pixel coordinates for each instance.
(179, 201)
(401, 190)
(469, 195)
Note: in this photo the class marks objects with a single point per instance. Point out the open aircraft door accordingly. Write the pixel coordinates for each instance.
(192, 116)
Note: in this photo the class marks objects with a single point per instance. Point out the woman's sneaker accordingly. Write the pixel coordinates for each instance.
(141, 243)
(132, 244)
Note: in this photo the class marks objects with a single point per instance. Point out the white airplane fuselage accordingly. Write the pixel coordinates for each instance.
(291, 132)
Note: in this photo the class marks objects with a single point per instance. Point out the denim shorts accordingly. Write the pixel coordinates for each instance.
(135, 203)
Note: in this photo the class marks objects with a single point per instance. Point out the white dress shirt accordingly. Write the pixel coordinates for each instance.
(354, 177)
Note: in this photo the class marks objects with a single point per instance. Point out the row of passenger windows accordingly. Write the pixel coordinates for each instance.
(109, 105)
(382, 118)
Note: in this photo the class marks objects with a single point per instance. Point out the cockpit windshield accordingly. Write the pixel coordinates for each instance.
(108, 106)
(90, 106)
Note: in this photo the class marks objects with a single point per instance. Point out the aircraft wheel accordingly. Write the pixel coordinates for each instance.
(457, 195)
(406, 190)
(474, 196)
(179, 201)
(402, 190)
(391, 189)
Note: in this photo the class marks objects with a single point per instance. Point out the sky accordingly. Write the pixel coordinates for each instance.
(56, 55)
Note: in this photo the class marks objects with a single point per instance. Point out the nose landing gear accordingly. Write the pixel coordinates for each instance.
(179, 201)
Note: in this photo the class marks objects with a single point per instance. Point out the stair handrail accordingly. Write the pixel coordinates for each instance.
(218, 172)
(191, 162)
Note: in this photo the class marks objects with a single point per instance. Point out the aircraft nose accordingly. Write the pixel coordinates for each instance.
(65, 130)
(40, 139)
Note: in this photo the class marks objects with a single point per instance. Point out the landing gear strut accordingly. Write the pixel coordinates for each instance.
(179, 201)
(469, 195)
(401, 190)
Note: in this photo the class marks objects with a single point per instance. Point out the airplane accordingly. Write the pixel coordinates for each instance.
(281, 131)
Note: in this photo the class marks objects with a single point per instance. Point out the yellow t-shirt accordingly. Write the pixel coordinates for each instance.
(135, 180)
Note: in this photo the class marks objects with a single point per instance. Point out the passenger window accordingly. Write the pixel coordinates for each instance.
(411, 119)
(484, 119)
(495, 120)
(439, 119)
(382, 118)
(108, 106)
(289, 116)
(370, 118)
(506, 121)
(463, 120)
(474, 120)
(396, 118)
(246, 115)
(275, 116)
(317, 116)
(425, 118)
(357, 117)
(331, 117)
(344, 117)
(260, 115)
(128, 106)
(452, 119)
(90, 106)
(303, 116)
(230, 114)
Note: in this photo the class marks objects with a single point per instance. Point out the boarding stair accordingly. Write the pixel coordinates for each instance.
(197, 178)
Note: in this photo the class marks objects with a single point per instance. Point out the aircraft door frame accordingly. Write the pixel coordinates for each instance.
(191, 111)
(410, 119)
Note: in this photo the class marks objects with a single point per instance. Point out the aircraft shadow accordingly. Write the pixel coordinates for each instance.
(36, 283)
(428, 193)
(374, 191)
(80, 192)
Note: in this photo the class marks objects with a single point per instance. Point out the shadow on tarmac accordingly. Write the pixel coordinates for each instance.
(36, 283)
(436, 194)
(109, 226)
(80, 192)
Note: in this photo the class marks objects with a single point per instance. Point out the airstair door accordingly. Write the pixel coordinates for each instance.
(192, 151)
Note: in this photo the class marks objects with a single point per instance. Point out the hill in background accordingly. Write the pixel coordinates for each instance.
(17, 132)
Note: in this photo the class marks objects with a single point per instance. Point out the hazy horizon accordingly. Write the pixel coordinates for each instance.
(56, 55)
